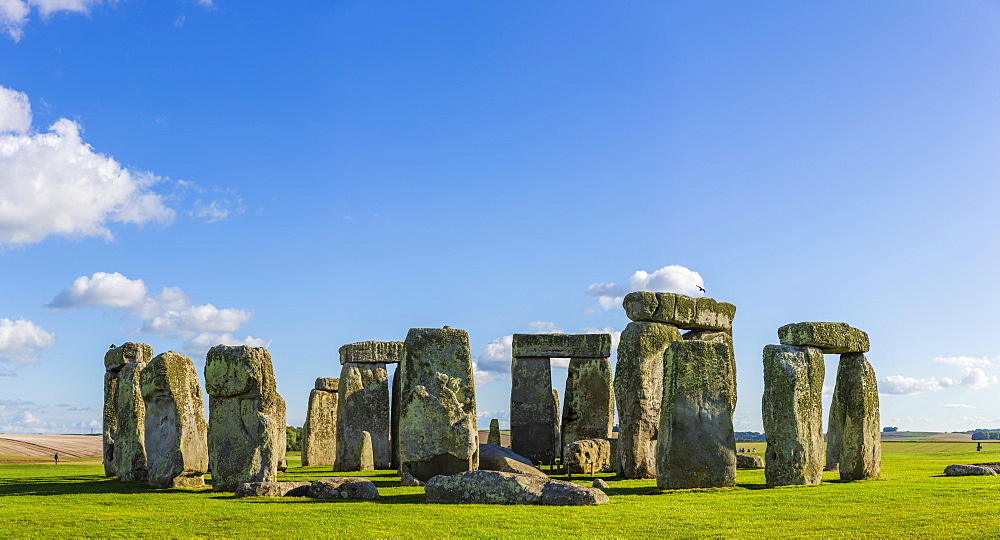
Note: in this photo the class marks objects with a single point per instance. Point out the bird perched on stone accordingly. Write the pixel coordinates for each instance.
(700, 288)
(112, 346)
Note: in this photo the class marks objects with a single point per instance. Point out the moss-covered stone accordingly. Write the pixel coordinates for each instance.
(374, 352)
(246, 430)
(438, 432)
(638, 387)
(129, 352)
(176, 434)
(589, 411)
(363, 405)
(679, 310)
(114, 359)
(330, 384)
(394, 420)
(366, 460)
(854, 439)
(534, 424)
(590, 456)
(494, 487)
(319, 432)
(696, 447)
(562, 345)
(793, 415)
(130, 445)
(830, 337)
(494, 436)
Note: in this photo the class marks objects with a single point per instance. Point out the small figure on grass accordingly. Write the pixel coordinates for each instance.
(979, 447)
(56, 457)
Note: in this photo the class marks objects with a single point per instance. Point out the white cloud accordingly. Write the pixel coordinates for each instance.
(229, 204)
(958, 406)
(543, 327)
(14, 14)
(673, 278)
(977, 379)
(101, 289)
(194, 319)
(15, 109)
(206, 3)
(22, 341)
(964, 361)
(974, 378)
(497, 355)
(197, 347)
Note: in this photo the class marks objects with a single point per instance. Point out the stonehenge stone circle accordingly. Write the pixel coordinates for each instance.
(589, 411)
(638, 388)
(494, 436)
(493, 487)
(793, 414)
(176, 435)
(438, 432)
(590, 456)
(246, 416)
(531, 401)
(319, 433)
(831, 338)
(696, 447)
(854, 437)
(114, 360)
(363, 403)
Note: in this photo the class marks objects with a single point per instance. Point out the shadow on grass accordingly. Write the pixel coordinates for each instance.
(68, 485)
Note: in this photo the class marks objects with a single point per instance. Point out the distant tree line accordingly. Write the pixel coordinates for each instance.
(293, 439)
(890, 429)
(985, 435)
(749, 436)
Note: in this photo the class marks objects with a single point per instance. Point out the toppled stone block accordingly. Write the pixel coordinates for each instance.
(130, 440)
(493, 457)
(372, 352)
(590, 456)
(793, 415)
(854, 440)
(969, 470)
(534, 422)
(638, 390)
(589, 412)
(408, 480)
(328, 384)
(438, 432)
(273, 489)
(562, 345)
(494, 436)
(319, 432)
(831, 338)
(749, 461)
(493, 487)
(362, 405)
(599, 483)
(246, 418)
(176, 434)
(343, 488)
(679, 310)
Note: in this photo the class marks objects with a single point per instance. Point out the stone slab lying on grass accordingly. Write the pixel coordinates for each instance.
(599, 483)
(493, 487)
(829, 337)
(493, 457)
(679, 310)
(590, 456)
(273, 489)
(749, 461)
(994, 465)
(343, 488)
(372, 352)
(562, 345)
(969, 470)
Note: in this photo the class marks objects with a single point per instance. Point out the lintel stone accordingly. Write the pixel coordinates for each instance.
(684, 312)
(562, 345)
(372, 352)
(128, 353)
(330, 384)
(829, 337)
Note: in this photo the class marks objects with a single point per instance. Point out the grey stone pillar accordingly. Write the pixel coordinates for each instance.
(319, 433)
(793, 414)
(854, 418)
(532, 409)
(494, 436)
(114, 360)
(394, 422)
(364, 402)
(589, 411)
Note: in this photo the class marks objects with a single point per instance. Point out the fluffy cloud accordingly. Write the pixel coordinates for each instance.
(673, 278)
(974, 378)
(958, 406)
(964, 361)
(199, 345)
(14, 14)
(101, 289)
(494, 361)
(496, 356)
(21, 342)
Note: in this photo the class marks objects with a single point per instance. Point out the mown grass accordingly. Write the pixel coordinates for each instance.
(913, 498)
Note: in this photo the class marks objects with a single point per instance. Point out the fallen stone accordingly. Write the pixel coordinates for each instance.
(273, 489)
(408, 480)
(319, 432)
(176, 434)
(562, 345)
(534, 424)
(494, 436)
(438, 432)
(831, 338)
(362, 405)
(493, 457)
(589, 410)
(599, 483)
(246, 423)
(793, 415)
(638, 388)
(343, 488)
(749, 461)
(969, 470)
(130, 441)
(993, 465)
(493, 487)
(372, 352)
(367, 460)
(679, 310)
(854, 438)
(696, 447)
(590, 456)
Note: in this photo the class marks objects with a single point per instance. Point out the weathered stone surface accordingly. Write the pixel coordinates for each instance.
(114, 359)
(394, 420)
(599, 483)
(330, 384)
(130, 440)
(590, 456)
(969, 470)
(494, 436)
(856, 441)
(438, 433)
(366, 459)
(319, 432)
(494, 487)
(638, 388)
(408, 480)
(128, 353)
(363, 405)
(831, 338)
(372, 352)
(273, 489)
(343, 488)
(589, 412)
(176, 434)
(697, 446)
(494, 457)
(562, 345)
(749, 461)
(283, 464)
(246, 418)
(793, 415)
(556, 431)
(533, 420)
(995, 465)
(679, 310)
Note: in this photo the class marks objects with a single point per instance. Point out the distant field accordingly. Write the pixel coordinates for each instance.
(929, 436)
(16, 448)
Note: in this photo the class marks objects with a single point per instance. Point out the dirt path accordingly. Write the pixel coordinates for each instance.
(67, 446)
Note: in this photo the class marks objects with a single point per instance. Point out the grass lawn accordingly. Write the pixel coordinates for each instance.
(912, 498)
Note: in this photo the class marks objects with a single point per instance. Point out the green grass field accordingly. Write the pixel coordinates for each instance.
(913, 498)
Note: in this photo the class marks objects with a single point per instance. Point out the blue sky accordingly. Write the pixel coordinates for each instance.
(304, 175)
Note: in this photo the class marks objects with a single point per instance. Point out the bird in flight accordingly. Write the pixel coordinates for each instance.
(700, 288)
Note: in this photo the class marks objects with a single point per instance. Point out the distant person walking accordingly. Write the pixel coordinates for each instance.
(979, 447)
(57, 458)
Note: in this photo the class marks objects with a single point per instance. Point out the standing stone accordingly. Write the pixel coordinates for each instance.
(793, 415)
(494, 437)
(533, 418)
(319, 433)
(833, 433)
(696, 447)
(589, 412)
(638, 389)
(438, 434)
(176, 432)
(130, 444)
(367, 458)
(246, 416)
(556, 432)
(394, 422)
(363, 406)
(114, 360)
(858, 447)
